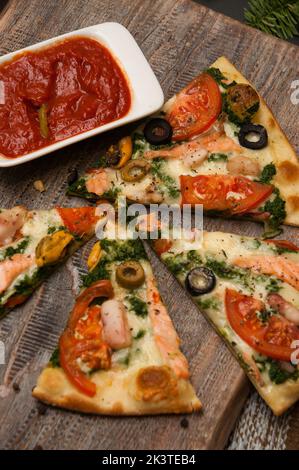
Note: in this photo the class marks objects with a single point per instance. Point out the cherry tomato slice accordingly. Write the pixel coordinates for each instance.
(284, 244)
(162, 245)
(273, 338)
(235, 194)
(195, 108)
(79, 220)
(70, 348)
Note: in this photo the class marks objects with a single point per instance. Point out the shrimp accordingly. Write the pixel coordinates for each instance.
(11, 268)
(11, 221)
(284, 269)
(165, 335)
(289, 311)
(116, 331)
(98, 183)
(240, 165)
(212, 143)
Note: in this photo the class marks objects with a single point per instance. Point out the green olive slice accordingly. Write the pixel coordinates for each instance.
(135, 170)
(130, 274)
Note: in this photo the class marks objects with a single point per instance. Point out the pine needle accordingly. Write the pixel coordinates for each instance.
(277, 17)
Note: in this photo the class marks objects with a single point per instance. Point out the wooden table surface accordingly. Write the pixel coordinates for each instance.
(179, 38)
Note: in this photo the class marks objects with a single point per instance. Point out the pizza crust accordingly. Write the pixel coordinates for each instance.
(284, 155)
(117, 394)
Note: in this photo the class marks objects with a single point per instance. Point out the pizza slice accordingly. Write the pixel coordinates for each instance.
(215, 143)
(119, 353)
(249, 290)
(33, 243)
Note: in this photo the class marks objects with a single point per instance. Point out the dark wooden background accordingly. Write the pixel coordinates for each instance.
(179, 38)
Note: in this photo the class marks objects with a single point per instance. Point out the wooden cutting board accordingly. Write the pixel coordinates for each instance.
(179, 38)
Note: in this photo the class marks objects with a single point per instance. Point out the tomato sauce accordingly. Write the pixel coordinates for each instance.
(58, 92)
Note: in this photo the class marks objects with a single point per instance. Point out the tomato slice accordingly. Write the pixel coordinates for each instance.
(16, 300)
(272, 338)
(161, 245)
(89, 332)
(195, 108)
(285, 244)
(235, 194)
(79, 220)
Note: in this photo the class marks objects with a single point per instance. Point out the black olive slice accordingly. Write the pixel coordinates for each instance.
(200, 281)
(72, 177)
(158, 131)
(257, 130)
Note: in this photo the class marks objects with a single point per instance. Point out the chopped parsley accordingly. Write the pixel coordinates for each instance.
(219, 77)
(217, 157)
(54, 359)
(181, 263)
(276, 208)
(208, 303)
(268, 172)
(78, 188)
(137, 305)
(98, 273)
(169, 183)
(123, 250)
(140, 334)
(12, 250)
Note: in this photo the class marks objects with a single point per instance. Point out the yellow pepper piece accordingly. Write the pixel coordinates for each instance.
(43, 121)
(126, 149)
(52, 248)
(94, 256)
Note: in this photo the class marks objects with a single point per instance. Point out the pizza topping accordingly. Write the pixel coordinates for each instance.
(118, 155)
(283, 268)
(11, 221)
(158, 131)
(283, 246)
(130, 274)
(289, 311)
(241, 103)
(52, 248)
(195, 108)
(241, 165)
(12, 267)
(162, 245)
(82, 342)
(135, 170)
(200, 281)
(116, 329)
(212, 143)
(269, 334)
(165, 335)
(253, 136)
(94, 256)
(97, 181)
(78, 220)
(234, 194)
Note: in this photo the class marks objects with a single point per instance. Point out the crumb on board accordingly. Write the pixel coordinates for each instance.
(39, 186)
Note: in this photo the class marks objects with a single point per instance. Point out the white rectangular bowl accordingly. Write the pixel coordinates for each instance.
(146, 93)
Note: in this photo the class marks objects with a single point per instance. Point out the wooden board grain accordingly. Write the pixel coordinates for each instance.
(179, 38)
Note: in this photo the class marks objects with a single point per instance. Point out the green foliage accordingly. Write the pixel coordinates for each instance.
(137, 305)
(54, 359)
(168, 181)
(12, 250)
(277, 17)
(268, 172)
(276, 208)
(217, 157)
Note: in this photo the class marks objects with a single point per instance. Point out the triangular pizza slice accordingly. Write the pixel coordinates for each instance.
(119, 353)
(249, 290)
(33, 243)
(215, 143)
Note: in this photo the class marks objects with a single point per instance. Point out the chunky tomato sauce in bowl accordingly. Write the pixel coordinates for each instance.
(72, 87)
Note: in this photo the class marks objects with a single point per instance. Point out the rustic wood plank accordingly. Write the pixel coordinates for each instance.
(179, 38)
